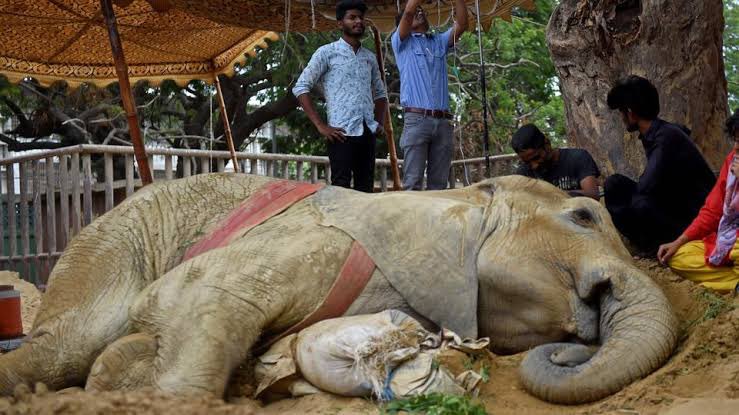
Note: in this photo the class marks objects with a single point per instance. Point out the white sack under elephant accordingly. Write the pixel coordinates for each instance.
(173, 290)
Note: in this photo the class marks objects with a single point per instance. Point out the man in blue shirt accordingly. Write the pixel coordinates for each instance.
(424, 95)
(356, 100)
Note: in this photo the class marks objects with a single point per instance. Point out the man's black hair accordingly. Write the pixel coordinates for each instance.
(345, 5)
(636, 94)
(732, 124)
(527, 137)
(398, 18)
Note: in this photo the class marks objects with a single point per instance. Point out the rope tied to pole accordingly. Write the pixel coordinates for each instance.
(313, 13)
(288, 16)
(457, 118)
(210, 123)
(483, 86)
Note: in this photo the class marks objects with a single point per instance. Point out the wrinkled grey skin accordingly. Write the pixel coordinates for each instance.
(123, 311)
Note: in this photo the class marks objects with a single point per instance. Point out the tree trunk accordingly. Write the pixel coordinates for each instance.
(676, 44)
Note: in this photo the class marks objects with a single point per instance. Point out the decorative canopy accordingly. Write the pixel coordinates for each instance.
(307, 15)
(181, 40)
(52, 40)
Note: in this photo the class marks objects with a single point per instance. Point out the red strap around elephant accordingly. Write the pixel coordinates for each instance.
(353, 277)
(271, 199)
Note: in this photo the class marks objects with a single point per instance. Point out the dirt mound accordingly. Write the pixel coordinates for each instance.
(76, 401)
(702, 376)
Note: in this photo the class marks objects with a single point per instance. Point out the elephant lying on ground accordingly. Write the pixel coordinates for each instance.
(510, 258)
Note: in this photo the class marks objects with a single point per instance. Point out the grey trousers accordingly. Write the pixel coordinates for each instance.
(427, 144)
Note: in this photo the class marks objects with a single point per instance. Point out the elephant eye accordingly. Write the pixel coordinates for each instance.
(582, 217)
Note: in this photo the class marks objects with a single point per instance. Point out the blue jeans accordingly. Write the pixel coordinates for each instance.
(427, 145)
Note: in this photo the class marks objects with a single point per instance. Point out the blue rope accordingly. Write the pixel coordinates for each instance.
(387, 393)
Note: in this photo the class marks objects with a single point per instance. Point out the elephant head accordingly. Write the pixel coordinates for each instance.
(555, 276)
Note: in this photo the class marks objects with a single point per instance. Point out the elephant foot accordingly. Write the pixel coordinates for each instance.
(124, 365)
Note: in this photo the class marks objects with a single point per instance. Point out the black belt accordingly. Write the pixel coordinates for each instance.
(430, 113)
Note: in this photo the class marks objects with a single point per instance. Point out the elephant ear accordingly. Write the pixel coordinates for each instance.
(426, 245)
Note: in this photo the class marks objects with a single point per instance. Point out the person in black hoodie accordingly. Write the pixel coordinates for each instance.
(675, 182)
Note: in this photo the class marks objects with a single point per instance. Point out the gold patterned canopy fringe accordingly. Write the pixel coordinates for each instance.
(181, 40)
(53, 40)
(308, 15)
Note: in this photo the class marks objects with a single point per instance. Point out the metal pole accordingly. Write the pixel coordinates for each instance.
(483, 85)
(388, 120)
(121, 69)
(226, 125)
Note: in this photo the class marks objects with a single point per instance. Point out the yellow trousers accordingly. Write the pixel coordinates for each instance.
(689, 262)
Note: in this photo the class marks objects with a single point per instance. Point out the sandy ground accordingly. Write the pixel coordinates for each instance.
(702, 377)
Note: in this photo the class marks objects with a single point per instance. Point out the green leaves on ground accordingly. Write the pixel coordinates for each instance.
(434, 404)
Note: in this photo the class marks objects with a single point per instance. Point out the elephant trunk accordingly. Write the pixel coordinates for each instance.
(638, 332)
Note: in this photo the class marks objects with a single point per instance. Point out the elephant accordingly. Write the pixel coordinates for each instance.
(510, 258)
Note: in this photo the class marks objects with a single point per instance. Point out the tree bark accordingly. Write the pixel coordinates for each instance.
(676, 44)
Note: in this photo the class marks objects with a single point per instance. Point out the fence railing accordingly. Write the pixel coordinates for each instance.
(47, 197)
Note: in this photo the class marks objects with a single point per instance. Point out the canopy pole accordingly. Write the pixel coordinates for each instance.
(388, 120)
(121, 69)
(483, 85)
(226, 125)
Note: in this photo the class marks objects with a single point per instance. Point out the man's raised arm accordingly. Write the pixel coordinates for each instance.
(406, 22)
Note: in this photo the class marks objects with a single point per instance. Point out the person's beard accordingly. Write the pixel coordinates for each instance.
(631, 127)
(351, 32)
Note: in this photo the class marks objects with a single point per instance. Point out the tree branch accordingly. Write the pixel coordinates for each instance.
(15, 145)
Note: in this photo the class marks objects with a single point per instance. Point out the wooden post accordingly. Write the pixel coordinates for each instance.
(25, 229)
(87, 188)
(129, 105)
(76, 194)
(64, 199)
(108, 169)
(50, 210)
(226, 125)
(12, 238)
(388, 121)
(38, 227)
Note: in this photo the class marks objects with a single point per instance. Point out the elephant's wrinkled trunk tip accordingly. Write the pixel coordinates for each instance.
(639, 332)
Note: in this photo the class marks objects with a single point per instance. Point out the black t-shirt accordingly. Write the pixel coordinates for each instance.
(573, 166)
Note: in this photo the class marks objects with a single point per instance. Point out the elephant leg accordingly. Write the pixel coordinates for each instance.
(208, 312)
(73, 325)
(203, 342)
(124, 365)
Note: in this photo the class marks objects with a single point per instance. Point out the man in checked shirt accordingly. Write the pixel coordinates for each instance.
(356, 99)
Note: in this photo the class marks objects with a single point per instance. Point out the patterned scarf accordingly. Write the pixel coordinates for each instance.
(727, 227)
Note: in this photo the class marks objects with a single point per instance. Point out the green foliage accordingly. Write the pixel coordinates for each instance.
(731, 50)
(485, 373)
(715, 305)
(434, 404)
(522, 82)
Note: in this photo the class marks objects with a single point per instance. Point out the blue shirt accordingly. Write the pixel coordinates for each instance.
(421, 60)
(350, 82)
